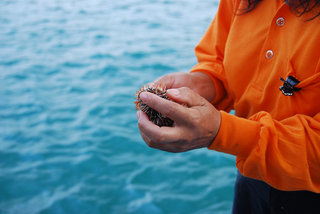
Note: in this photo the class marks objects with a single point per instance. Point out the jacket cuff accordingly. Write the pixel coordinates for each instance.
(236, 136)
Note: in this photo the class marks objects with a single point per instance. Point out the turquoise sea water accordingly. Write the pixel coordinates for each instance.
(69, 141)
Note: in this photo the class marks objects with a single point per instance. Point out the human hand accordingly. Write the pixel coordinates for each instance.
(196, 125)
(197, 81)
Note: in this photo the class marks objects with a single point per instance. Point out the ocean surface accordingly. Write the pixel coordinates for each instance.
(69, 141)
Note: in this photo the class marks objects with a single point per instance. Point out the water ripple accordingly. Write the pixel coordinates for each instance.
(69, 141)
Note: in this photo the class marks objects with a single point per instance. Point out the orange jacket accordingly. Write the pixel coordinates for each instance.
(276, 138)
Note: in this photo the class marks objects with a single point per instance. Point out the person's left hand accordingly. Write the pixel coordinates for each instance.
(196, 123)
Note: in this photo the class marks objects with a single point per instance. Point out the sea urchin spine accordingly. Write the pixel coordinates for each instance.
(154, 116)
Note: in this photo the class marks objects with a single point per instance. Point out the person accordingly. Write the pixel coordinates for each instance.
(262, 59)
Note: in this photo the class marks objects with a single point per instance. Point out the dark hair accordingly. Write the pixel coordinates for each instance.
(299, 7)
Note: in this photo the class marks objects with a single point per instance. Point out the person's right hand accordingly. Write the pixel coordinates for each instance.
(198, 82)
(196, 123)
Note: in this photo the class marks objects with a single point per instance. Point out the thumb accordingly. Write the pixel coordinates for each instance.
(187, 96)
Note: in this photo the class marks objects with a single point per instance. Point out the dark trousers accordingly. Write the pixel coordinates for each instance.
(256, 197)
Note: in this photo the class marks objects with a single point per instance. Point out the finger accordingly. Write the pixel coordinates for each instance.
(187, 96)
(144, 137)
(154, 135)
(170, 109)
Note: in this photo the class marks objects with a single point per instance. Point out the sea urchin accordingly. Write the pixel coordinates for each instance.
(154, 116)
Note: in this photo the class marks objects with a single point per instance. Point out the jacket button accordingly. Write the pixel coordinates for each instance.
(269, 54)
(280, 21)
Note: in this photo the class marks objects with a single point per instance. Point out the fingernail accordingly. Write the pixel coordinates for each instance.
(144, 96)
(174, 92)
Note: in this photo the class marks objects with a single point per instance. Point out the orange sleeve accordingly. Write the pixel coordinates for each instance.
(210, 53)
(285, 154)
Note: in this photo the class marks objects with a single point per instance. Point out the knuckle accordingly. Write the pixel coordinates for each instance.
(187, 93)
(161, 138)
(173, 151)
(195, 116)
(148, 142)
(140, 124)
(158, 139)
(151, 144)
(177, 150)
(202, 102)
